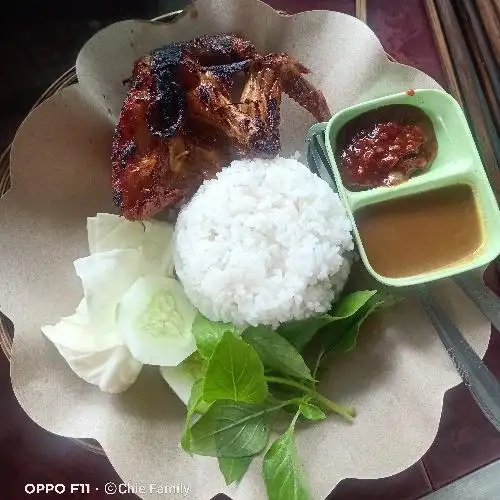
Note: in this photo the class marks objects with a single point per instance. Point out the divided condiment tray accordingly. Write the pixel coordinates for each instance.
(457, 162)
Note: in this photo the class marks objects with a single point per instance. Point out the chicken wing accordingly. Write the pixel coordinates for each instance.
(179, 125)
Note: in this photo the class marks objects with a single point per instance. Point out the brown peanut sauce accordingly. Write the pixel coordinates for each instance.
(424, 232)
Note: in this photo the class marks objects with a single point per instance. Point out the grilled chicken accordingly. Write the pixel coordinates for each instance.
(179, 124)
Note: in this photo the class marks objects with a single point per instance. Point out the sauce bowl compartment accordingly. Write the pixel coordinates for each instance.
(457, 162)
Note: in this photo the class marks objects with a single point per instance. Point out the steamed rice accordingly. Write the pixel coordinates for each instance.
(265, 242)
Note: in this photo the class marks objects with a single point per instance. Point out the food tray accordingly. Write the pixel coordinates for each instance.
(66, 79)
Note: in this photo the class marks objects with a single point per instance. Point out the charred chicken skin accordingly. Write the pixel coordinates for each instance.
(180, 123)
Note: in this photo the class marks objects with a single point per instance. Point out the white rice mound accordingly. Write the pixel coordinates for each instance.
(265, 242)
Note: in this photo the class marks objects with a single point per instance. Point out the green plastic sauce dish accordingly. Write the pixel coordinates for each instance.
(457, 162)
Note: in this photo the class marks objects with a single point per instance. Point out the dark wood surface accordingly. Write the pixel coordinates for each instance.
(37, 47)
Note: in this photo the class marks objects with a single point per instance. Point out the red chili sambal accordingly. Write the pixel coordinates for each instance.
(385, 147)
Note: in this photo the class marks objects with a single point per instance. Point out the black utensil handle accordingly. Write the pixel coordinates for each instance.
(487, 302)
(481, 383)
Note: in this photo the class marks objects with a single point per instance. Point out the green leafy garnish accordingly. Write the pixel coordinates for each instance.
(276, 352)
(234, 372)
(299, 333)
(194, 400)
(345, 336)
(350, 304)
(246, 378)
(208, 333)
(231, 430)
(311, 412)
(282, 475)
(233, 469)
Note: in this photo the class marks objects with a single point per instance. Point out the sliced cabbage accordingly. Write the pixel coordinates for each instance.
(153, 238)
(155, 320)
(121, 252)
(91, 233)
(76, 333)
(98, 227)
(182, 377)
(113, 370)
(105, 277)
(158, 248)
(125, 235)
(97, 356)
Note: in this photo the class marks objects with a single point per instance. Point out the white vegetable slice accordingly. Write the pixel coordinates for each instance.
(153, 238)
(98, 227)
(106, 276)
(155, 320)
(99, 357)
(92, 233)
(125, 235)
(113, 370)
(75, 333)
(158, 248)
(181, 378)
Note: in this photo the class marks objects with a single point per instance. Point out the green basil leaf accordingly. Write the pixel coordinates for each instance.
(342, 337)
(233, 469)
(276, 352)
(349, 336)
(234, 372)
(194, 400)
(281, 470)
(300, 332)
(231, 430)
(311, 412)
(349, 304)
(280, 394)
(208, 334)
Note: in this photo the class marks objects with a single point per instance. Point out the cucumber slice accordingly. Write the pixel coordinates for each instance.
(155, 320)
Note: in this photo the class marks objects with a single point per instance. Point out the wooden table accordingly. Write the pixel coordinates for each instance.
(36, 52)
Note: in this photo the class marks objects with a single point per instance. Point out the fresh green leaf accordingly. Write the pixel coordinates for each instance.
(181, 378)
(311, 412)
(208, 334)
(280, 394)
(349, 304)
(281, 470)
(233, 469)
(232, 430)
(348, 338)
(283, 392)
(194, 400)
(300, 332)
(343, 335)
(276, 352)
(234, 372)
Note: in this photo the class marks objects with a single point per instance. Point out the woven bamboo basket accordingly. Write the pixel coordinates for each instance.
(66, 79)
